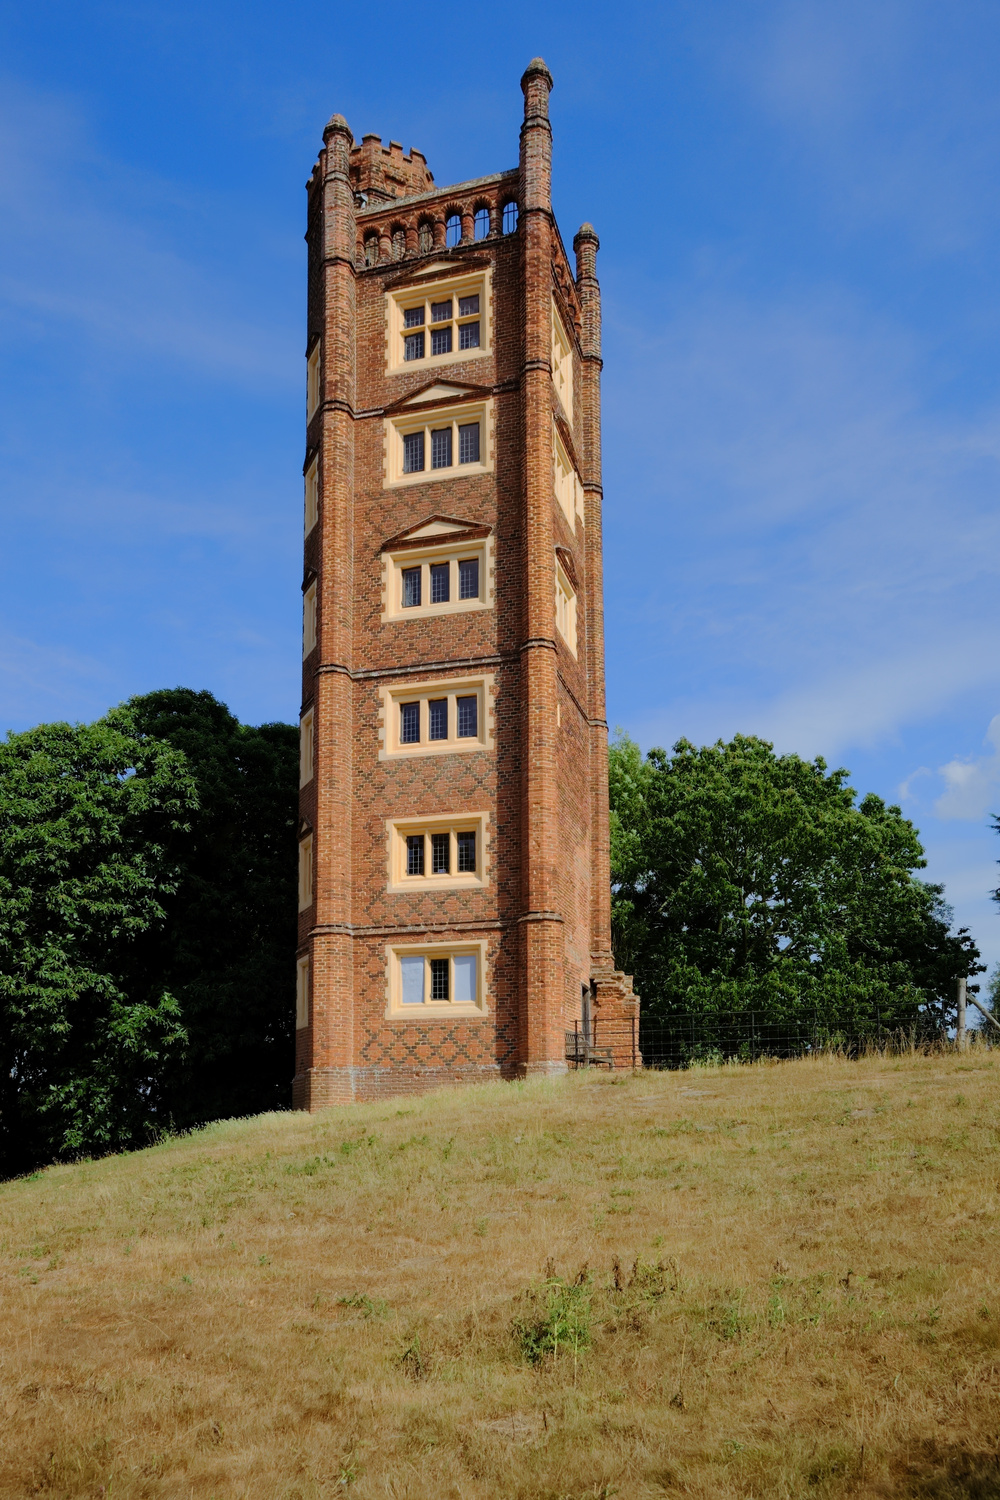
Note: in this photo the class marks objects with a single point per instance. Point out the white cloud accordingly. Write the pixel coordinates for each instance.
(972, 787)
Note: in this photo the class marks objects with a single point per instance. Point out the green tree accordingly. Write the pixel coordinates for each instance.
(91, 817)
(743, 879)
(227, 947)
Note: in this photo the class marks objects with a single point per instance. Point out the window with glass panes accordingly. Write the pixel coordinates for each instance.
(446, 717)
(442, 445)
(440, 979)
(431, 583)
(439, 852)
(435, 327)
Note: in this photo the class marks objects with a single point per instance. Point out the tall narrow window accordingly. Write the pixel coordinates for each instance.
(398, 244)
(468, 717)
(509, 218)
(441, 448)
(466, 992)
(440, 989)
(425, 237)
(413, 453)
(453, 230)
(371, 250)
(411, 588)
(312, 496)
(301, 993)
(411, 973)
(468, 443)
(440, 853)
(440, 581)
(467, 852)
(312, 380)
(305, 872)
(482, 223)
(415, 854)
(308, 620)
(437, 715)
(409, 723)
(468, 578)
(306, 748)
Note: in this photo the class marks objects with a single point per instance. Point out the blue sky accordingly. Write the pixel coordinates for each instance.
(800, 232)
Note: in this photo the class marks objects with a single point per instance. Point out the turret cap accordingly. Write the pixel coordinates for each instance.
(337, 125)
(535, 68)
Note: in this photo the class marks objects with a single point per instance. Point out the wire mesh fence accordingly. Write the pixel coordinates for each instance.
(681, 1041)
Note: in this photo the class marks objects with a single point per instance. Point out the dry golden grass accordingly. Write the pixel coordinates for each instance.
(304, 1307)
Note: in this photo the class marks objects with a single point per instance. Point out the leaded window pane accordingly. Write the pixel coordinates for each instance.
(468, 717)
(440, 340)
(441, 446)
(411, 587)
(468, 578)
(465, 978)
(439, 978)
(441, 311)
(413, 317)
(413, 451)
(467, 852)
(468, 443)
(414, 854)
(411, 971)
(409, 723)
(437, 717)
(468, 306)
(440, 854)
(468, 335)
(413, 346)
(440, 581)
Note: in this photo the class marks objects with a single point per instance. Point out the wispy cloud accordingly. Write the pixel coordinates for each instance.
(88, 241)
(972, 787)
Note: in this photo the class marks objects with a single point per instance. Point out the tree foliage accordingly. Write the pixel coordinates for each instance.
(147, 925)
(744, 879)
(91, 817)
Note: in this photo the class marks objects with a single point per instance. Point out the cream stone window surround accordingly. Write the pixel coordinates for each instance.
(463, 977)
(301, 993)
(393, 697)
(309, 619)
(307, 747)
(313, 379)
(568, 488)
(565, 607)
(311, 495)
(452, 824)
(451, 288)
(305, 872)
(396, 561)
(429, 419)
(562, 364)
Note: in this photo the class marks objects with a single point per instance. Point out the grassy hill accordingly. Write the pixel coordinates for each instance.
(765, 1281)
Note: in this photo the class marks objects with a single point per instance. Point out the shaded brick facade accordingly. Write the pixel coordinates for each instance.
(378, 239)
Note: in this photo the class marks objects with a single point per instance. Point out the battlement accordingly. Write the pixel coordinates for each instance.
(384, 173)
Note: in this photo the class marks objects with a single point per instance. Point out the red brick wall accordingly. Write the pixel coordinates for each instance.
(541, 779)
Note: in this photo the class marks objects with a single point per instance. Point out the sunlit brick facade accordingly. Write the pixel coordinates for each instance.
(454, 890)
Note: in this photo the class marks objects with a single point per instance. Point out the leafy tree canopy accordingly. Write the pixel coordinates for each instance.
(147, 925)
(744, 879)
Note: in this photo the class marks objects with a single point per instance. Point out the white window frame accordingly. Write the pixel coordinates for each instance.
(397, 831)
(306, 891)
(301, 993)
(438, 291)
(395, 563)
(307, 747)
(565, 607)
(313, 364)
(392, 697)
(309, 620)
(427, 420)
(440, 1009)
(312, 495)
(562, 364)
(568, 488)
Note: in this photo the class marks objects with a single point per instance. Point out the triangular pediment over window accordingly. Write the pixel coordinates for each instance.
(438, 392)
(435, 529)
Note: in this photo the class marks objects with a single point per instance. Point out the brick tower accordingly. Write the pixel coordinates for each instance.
(454, 902)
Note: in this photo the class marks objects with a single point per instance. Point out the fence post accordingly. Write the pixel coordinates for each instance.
(961, 1039)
